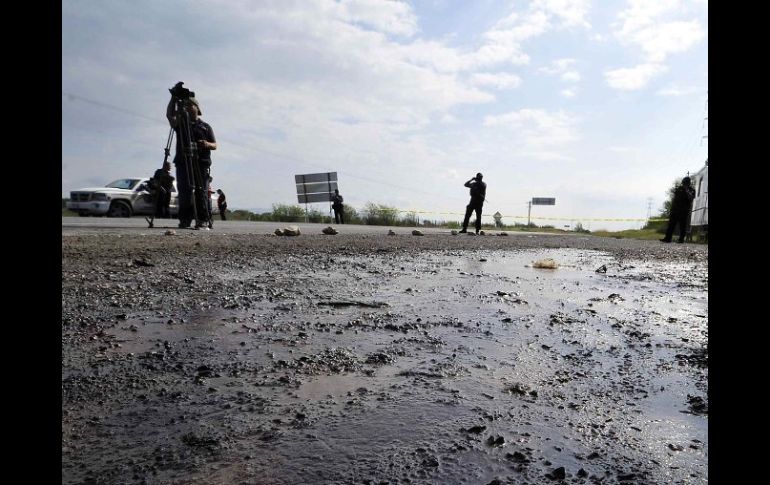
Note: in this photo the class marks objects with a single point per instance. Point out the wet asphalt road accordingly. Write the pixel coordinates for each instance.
(232, 356)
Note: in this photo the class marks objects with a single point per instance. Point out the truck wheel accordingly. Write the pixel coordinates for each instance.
(119, 209)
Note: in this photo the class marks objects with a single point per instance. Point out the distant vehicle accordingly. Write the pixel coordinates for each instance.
(699, 220)
(121, 198)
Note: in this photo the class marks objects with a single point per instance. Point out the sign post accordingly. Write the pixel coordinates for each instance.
(539, 201)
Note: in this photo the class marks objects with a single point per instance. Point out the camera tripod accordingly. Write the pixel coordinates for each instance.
(197, 176)
(157, 191)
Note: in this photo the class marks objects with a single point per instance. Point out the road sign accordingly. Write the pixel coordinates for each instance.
(315, 177)
(543, 201)
(310, 198)
(315, 187)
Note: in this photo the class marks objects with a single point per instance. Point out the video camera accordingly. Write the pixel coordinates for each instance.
(181, 92)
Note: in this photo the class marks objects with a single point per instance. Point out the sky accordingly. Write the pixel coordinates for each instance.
(601, 105)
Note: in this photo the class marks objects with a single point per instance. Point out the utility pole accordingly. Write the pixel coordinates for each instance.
(649, 211)
(529, 211)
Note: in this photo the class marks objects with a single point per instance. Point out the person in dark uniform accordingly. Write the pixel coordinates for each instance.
(478, 194)
(164, 183)
(680, 210)
(339, 216)
(222, 204)
(203, 136)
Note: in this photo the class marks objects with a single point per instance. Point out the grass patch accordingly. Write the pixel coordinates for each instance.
(649, 234)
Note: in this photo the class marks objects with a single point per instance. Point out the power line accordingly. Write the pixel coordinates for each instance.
(72, 97)
(305, 163)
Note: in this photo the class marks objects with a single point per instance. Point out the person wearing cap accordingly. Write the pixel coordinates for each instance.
(679, 215)
(478, 194)
(203, 135)
(222, 204)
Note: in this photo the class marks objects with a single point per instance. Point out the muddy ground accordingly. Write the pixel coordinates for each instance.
(209, 358)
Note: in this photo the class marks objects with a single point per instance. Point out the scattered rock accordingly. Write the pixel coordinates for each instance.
(417, 233)
(496, 441)
(476, 429)
(557, 474)
(330, 231)
(291, 231)
(547, 263)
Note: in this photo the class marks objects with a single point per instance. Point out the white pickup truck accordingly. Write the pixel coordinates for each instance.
(121, 198)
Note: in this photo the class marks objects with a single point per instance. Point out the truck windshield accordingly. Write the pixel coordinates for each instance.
(123, 184)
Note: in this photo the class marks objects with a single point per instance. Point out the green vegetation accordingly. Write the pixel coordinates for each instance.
(650, 234)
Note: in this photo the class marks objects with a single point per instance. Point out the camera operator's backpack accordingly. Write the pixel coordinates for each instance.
(152, 185)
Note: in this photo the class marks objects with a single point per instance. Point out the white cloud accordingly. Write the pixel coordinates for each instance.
(659, 41)
(630, 79)
(499, 80)
(536, 126)
(568, 93)
(571, 12)
(654, 26)
(503, 43)
(643, 13)
(558, 66)
(562, 67)
(392, 17)
(678, 90)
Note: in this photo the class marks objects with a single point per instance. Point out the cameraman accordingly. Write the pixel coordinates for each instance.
(203, 135)
(478, 194)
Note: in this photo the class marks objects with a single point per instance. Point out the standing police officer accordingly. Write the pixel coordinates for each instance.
(339, 215)
(478, 194)
(680, 210)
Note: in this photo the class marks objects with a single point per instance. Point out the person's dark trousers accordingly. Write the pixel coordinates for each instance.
(673, 221)
(185, 214)
(468, 210)
(203, 202)
(163, 202)
(339, 217)
(222, 210)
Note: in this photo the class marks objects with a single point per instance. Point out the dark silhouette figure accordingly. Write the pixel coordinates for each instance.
(339, 213)
(163, 183)
(681, 206)
(478, 194)
(202, 135)
(222, 204)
